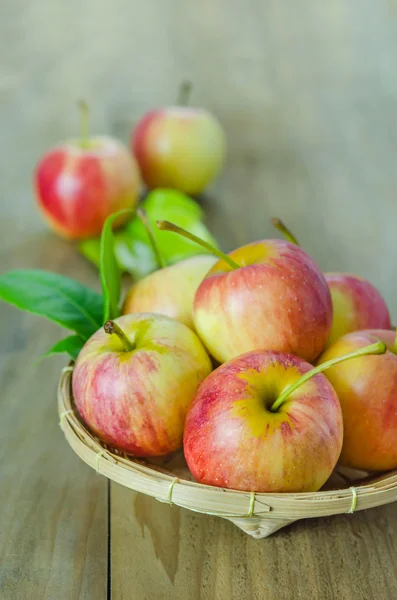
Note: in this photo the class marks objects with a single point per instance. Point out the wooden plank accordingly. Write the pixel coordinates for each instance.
(162, 551)
(53, 518)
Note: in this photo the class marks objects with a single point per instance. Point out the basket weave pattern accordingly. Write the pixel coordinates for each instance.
(258, 514)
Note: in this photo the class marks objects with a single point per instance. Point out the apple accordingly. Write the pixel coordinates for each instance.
(237, 436)
(266, 295)
(179, 147)
(367, 390)
(134, 379)
(357, 305)
(81, 182)
(258, 424)
(169, 291)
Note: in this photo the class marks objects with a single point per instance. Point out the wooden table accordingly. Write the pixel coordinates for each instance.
(307, 94)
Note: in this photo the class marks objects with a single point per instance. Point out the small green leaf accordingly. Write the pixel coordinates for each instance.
(132, 248)
(174, 206)
(135, 256)
(91, 249)
(109, 269)
(70, 345)
(54, 296)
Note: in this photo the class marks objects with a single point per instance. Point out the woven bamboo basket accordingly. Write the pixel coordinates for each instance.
(257, 514)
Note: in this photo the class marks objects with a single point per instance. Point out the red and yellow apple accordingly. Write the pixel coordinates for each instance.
(357, 305)
(276, 298)
(179, 147)
(367, 390)
(169, 291)
(134, 380)
(81, 182)
(239, 435)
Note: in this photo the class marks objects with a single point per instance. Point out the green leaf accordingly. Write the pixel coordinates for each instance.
(70, 345)
(54, 296)
(91, 249)
(109, 269)
(174, 204)
(132, 249)
(135, 256)
(180, 209)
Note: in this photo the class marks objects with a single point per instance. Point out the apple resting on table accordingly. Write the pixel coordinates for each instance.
(266, 422)
(367, 390)
(81, 182)
(179, 147)
(134, 380)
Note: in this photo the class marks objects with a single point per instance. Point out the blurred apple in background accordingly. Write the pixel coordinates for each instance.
(81, 182)
(179, 147)
(357, 305)
(237, 437)
(367, 391)
(134, 380)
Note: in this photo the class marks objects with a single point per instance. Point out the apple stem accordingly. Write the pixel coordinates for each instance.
(278, 224)
(84, 124)
(112, 327)
(142, 216)
(167, 226)
(185, 89)
(378, 348)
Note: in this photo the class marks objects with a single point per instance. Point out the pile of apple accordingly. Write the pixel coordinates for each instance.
(222, 355)
(225, 357)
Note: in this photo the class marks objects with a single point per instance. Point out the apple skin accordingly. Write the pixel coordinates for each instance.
(357, 305)
(77, 187)
(137, 401)
(179, 147)
(233, 440)
(278, 301)
(169, 291)
(367, 390)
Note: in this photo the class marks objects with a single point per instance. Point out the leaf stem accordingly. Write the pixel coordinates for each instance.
(278, 224)
(142, 216)
(377, 348)
(167, 226)
(395, 340)
(112, 327)
(84, 124)
(185, 89)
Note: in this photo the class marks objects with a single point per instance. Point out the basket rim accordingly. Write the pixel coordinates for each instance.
(228, 503)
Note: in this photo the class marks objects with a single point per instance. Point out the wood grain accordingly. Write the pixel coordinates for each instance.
(53, 518)
(161, 551)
